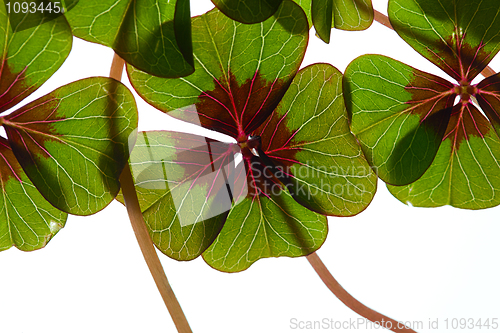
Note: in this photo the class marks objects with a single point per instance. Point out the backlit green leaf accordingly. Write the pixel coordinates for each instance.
(459, 36)
(399, 115)
(308, 138)
(182, 185)
(27, 220)
(267, 222)
(352, 14)
(306, 7)
(29, 56)
(242, 71)
(293, 157)
(322, 17)
(152, 35)
(466, 170)
(74, 142)
(348, 15)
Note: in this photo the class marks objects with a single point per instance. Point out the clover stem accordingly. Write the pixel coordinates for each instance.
(350, 301)
(488, 71)
(384, 20)
(142, 234)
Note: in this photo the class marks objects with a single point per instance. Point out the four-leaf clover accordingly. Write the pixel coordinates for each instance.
(291, 160)
(438, 138)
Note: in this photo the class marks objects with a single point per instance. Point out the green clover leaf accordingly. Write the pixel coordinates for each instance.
(152, 35)
(291, 161)
(432, 141)
(65, 150)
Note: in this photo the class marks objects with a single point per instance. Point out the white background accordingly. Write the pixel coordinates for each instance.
(410, 264)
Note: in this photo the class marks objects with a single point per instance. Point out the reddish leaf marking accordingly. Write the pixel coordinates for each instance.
(276, 126)
(9, 166)
(13, 87)
(53, 103)
(237, 109)
(216, 167)
(473, 60)
(276, 137)
(461, 61)
(466, 121)
(488, 96)
(429, 94)
(470, 60)
(30, 127)
(479, 61)
(205, 162)
(200, 155)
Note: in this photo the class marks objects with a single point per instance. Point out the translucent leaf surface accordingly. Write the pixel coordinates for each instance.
(399, 114)
(308, 138)
(27, 220)
(322, 18)
(267, 222)
(306, 7)
(403, 116)
(74, 142)
(460, 36)
(466, 170)
(348, 15)
(352, 14)
(29, 56)
(189, 187)
(267, 188)
(185, 187)
(488, 96)
(242, 71)
(305, 152)
(152, 35)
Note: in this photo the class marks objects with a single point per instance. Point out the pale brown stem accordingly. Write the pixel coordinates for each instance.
(384, 20)
(142, 234)
(117, 65)
(488, 71)
(350, 301)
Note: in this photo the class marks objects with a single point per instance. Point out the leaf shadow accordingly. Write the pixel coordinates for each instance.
(454, 52)
(20, 21)
(414, 153)
(287, 22)
(165, 50)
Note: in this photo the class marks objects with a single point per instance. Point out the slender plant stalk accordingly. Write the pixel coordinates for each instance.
(488, 71)
(350, 301)
(384, 20)
(116, 69)
(142, 235)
